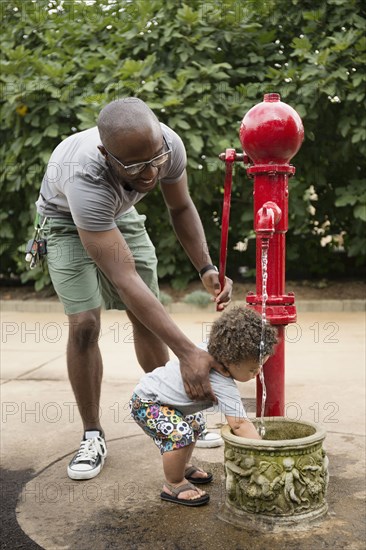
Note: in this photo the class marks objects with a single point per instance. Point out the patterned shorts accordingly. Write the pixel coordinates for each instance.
(168, 427)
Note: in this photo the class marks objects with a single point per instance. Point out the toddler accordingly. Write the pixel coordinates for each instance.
(164, 411)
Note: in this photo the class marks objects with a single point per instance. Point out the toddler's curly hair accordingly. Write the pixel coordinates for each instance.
(236, 335)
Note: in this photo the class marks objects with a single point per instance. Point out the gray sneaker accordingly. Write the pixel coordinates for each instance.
(209, 440)
(89, 460)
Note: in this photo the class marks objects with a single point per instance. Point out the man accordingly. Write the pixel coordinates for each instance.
(99, 252)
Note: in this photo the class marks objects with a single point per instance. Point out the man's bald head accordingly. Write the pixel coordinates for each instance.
(125, 116)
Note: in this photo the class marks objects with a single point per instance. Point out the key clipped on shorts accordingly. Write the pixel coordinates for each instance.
(36, 248)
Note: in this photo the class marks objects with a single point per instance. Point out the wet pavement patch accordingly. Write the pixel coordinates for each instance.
(12, 536)
(125, 513)
(171, 527)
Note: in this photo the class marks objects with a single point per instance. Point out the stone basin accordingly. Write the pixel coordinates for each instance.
(280, 480)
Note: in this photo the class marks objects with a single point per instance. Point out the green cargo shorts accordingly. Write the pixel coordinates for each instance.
(78, 281)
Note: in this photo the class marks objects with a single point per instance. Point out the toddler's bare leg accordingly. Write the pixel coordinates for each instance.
(200, 473)
(174, 464)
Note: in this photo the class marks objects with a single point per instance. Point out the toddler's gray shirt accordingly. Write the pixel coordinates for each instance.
(165, 385)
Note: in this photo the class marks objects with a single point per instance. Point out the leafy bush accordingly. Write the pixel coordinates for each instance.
(165, 298)
(200, 66)
(198, 298)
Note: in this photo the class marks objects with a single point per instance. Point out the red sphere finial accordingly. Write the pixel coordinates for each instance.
(271, 132)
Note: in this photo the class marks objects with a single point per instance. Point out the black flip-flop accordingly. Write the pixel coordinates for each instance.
(184, 501)
(197, 480)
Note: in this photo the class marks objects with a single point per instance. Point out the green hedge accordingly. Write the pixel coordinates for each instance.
(200, 66)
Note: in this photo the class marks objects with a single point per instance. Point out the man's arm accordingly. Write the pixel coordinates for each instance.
(188, 228)
(111, 253)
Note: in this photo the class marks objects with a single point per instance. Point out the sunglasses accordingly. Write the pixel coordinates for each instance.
(134, 169)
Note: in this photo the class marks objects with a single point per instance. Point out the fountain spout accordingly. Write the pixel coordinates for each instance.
(266, 219)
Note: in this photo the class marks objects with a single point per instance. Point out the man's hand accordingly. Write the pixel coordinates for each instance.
(195, 369)
(222, 297)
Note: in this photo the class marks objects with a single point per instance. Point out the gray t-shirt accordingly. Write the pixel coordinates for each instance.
(78, 184)
(165, 385)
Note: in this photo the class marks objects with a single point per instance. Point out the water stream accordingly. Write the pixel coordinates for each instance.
(264, 261)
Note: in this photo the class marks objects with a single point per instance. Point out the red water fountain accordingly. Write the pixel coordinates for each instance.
(271, 133)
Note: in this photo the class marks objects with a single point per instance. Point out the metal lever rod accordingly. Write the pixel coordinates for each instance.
(230, 157)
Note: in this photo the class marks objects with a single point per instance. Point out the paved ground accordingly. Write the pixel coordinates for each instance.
(325, 382)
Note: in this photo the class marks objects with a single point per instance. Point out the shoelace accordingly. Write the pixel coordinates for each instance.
(90, 449)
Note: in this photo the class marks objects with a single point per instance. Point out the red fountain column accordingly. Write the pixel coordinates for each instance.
(271, 133)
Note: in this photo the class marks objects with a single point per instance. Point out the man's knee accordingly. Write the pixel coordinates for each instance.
(84, 329)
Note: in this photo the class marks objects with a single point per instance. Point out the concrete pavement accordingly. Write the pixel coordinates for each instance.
(325, 383)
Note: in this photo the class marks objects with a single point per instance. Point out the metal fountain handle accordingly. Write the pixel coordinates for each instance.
(229, 157)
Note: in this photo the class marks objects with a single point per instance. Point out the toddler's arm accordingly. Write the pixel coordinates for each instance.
(242, 427)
